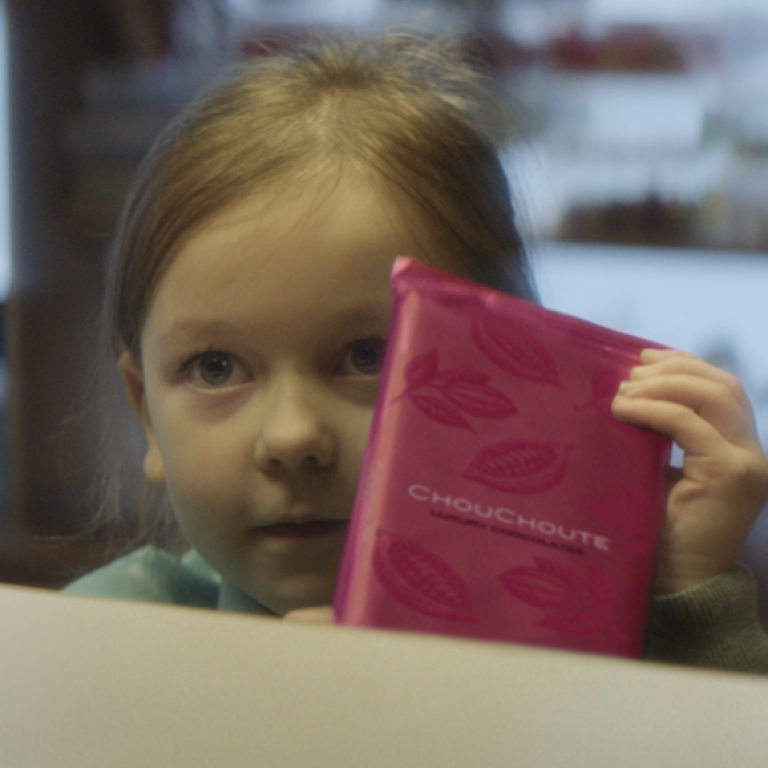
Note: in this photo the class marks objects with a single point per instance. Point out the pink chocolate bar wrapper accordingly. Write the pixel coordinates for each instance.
(499, 498)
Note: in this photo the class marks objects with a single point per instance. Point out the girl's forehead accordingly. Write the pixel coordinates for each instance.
(323, 198)
(336, 222)
(333, 240)
(350, 214)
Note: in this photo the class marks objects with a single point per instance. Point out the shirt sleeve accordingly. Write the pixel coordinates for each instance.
(714, 624)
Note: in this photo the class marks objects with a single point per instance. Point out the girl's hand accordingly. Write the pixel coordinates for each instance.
(716, 497)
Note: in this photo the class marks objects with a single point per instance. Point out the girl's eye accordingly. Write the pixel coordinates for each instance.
(364, 357)
(215, 369)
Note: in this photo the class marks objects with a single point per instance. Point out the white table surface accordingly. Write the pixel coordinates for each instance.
(88, 682)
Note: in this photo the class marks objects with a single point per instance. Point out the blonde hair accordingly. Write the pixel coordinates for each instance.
(409, 112)
(405, 109)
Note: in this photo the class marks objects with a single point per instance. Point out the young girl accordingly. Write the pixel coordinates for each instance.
(248, 305)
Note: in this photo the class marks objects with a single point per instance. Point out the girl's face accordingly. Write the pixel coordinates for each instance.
(259, 369)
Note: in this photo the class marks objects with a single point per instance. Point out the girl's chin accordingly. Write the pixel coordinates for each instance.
(308, 590)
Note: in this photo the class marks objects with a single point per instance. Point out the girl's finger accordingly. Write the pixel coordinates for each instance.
(658, 362)
(694, 434)
(709, 459)
(712, 400)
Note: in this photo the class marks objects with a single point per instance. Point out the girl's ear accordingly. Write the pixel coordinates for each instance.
(133, 378)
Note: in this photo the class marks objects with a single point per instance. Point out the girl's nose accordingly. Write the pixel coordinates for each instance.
(295, 436)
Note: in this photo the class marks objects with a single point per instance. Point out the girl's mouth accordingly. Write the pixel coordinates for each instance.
(308, 530)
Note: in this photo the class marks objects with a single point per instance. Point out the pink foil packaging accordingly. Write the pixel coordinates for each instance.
(499, 498)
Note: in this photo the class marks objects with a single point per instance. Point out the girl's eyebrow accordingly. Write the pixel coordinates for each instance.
(188, 330)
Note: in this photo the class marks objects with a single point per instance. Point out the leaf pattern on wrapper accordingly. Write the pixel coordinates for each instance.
(452, 376)
(580, 606)
(515, 351)
(453, 392)
(605, 384)
(440, 411)
(537, 588)
(519, 466)
(421, 369)
(420, 579)
(632, 513)
(478, 399)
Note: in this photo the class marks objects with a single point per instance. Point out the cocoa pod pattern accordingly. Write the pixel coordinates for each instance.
(558, 571)
(479, 400)
(440, 411)
(519, 466)
(515, 351)
(420, 579)
(537, 587)
(453, 376)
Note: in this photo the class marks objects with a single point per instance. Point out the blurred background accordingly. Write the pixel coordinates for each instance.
(637, 152)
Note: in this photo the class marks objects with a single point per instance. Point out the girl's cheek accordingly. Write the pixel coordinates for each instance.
(364, 432)
(356, 440)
